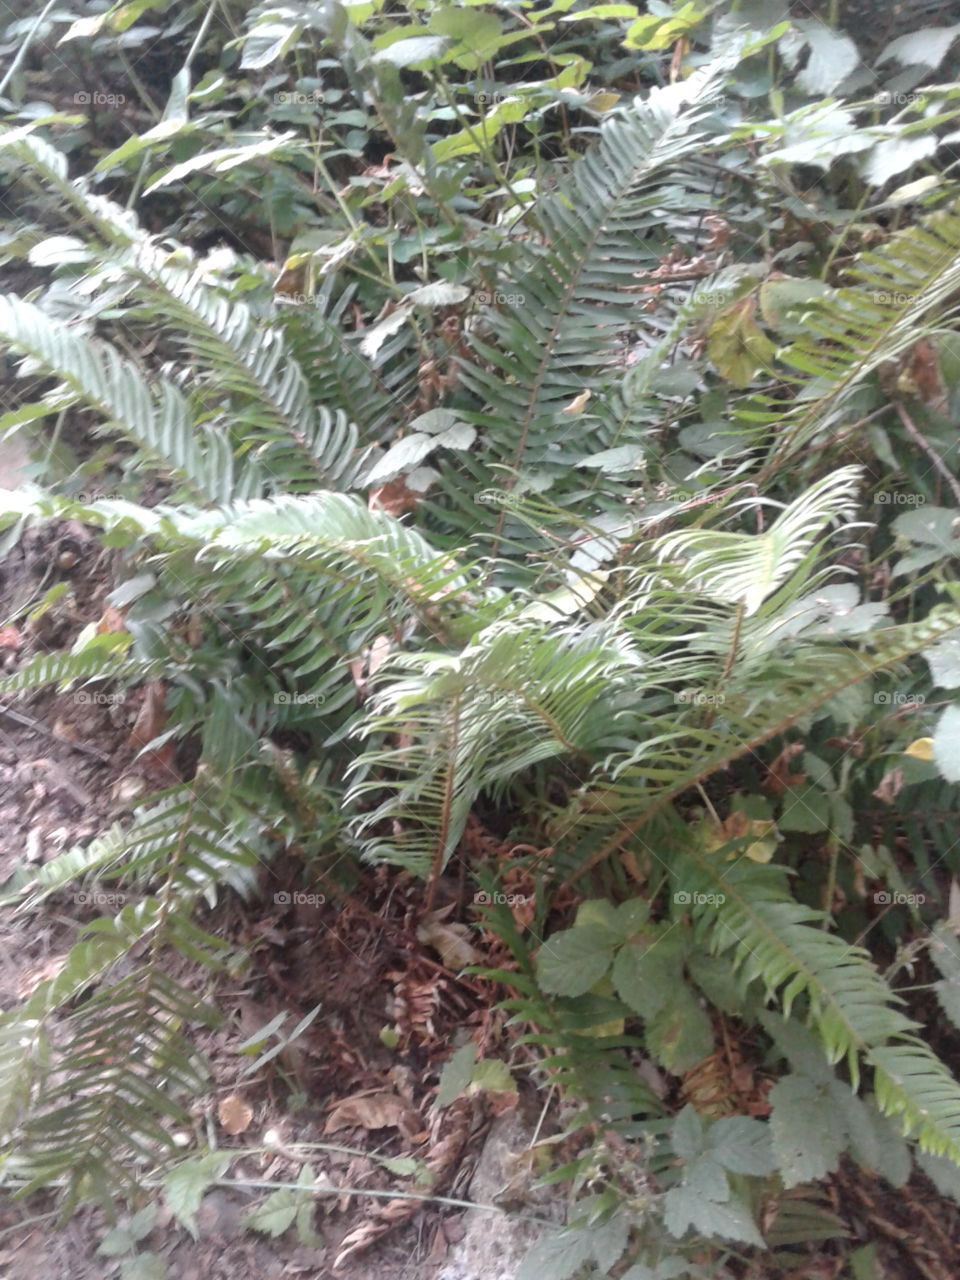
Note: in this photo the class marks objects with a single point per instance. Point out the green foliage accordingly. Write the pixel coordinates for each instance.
(559, 474)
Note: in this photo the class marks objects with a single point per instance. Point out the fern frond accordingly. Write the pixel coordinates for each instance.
(903, 290)
(157, 418)
(737, 567)
(563, 315)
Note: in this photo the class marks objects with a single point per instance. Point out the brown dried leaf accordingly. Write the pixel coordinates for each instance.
(112, 620)
(394, 497)
(450, 941)
(152, 716)
(890, 786)
(234, 1114)
(779, 776)
(372, 1111)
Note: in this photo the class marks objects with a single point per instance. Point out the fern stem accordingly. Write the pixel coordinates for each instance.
(939, 465)
(25, 46)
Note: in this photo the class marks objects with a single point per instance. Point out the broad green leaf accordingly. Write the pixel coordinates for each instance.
(808, 1135)
(646, 973)
(924, 48)
(275, 1214)
(413, 51)
(268, 42)
(742, 1145)
(945, 954)
(686, 1208)
(456, 1074)
(946, 744)
(572, 961)
(680, 1034)
(944, 662)
(832, 58)
(185, 1186)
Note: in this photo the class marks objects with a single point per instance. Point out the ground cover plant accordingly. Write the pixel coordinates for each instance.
(518, 448)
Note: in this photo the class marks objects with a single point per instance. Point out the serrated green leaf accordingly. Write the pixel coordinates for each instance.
(572, 961)
(808, 1135)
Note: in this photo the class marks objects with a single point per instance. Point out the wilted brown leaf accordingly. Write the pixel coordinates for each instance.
(234, 1114)
(374, 1111)
(450, 941)
(112, 620)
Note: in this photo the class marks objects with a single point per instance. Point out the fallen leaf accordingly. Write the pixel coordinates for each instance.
(9, 638)
(779, 775)
(234, 1114)
(577, 404)
(373, 1111)
(394, 497)
(890, 786)
(112, 620)
(450, 941)
(151, 717)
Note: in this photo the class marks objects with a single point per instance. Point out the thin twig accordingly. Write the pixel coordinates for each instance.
(40, 727)
(929, 450)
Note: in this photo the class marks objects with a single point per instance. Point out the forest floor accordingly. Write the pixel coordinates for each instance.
(341, 1095)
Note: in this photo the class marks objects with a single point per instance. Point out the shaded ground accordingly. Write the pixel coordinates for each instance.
(67, 771)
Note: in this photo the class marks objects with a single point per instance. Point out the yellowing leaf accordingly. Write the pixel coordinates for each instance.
(920, 749)
(737, 346)
(577, 404)
(601, 102)
(761, 835)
